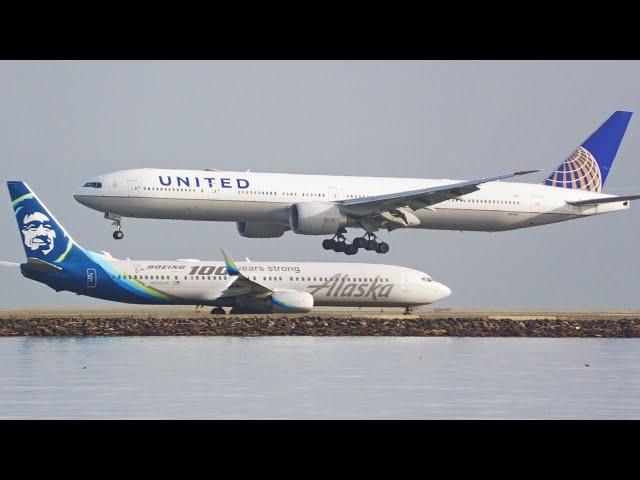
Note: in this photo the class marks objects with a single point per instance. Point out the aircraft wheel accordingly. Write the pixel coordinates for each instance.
(328, 244)
(340, 246)
(218, 311)
(118, 234)
(382, 247)
(351, 249)
(371, 245)
(360, 242)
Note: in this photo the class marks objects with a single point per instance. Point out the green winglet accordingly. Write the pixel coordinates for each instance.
(229, 263)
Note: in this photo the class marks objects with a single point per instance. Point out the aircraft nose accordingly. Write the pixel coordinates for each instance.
(442, 291)
(86, 196)
(78, 194)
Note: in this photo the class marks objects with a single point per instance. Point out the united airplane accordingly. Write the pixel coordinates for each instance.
(266, 205)
(55, 259)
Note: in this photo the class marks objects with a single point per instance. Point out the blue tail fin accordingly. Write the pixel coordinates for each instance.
(43, 237)
(588, 167)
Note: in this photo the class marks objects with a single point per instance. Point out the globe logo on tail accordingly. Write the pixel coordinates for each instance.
(579, 171)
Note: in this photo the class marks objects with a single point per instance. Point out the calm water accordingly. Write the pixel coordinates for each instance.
(304, 377)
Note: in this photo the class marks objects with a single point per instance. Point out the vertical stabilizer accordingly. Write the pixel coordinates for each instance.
(43, 238)
(588, 167)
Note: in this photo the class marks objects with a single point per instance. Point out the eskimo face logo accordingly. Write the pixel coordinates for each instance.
(38, 232)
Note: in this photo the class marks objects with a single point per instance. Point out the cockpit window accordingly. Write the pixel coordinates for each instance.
(427, 279)
(93, 185)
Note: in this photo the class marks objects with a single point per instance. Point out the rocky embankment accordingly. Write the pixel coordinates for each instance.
(318, 325)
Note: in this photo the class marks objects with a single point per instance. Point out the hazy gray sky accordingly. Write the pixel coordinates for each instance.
(62, 122)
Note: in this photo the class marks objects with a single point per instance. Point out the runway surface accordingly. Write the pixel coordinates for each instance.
(426, 312)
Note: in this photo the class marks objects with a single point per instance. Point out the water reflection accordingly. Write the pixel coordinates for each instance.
(305, 377)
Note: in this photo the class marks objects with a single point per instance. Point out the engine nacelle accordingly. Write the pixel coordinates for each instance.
(289, 301)
(316, 218)
(286, 301)
(261, 230)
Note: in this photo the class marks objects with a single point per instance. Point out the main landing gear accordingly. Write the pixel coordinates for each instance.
(118, 234)
(369, 242)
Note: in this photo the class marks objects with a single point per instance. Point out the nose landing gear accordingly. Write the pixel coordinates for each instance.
(339, 244)
(118, 234)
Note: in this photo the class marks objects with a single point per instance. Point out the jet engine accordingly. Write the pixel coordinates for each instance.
(286, 301)
(316, 218)
(261, 230)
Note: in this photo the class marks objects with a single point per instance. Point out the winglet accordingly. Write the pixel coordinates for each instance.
(229, 263)
(525, 172)
(501, 177)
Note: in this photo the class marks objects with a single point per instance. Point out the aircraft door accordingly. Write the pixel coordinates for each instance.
(212, 193)
(406, 285)
(536, 203)
(133, 187)
(92, 279)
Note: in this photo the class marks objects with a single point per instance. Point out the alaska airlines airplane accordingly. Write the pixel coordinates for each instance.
(53, 258)
(265, 205)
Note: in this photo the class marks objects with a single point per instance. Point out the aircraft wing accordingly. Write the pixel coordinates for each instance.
(242, 285)
(596, 201)
(416, 199)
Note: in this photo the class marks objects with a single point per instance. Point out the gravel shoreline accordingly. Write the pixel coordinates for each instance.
(319, 325)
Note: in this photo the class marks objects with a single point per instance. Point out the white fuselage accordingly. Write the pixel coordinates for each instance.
(267, 198)
(194, 282)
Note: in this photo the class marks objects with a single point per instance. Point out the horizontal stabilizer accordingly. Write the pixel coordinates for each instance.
(41, 266)
(596, 201)
(9, 264)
